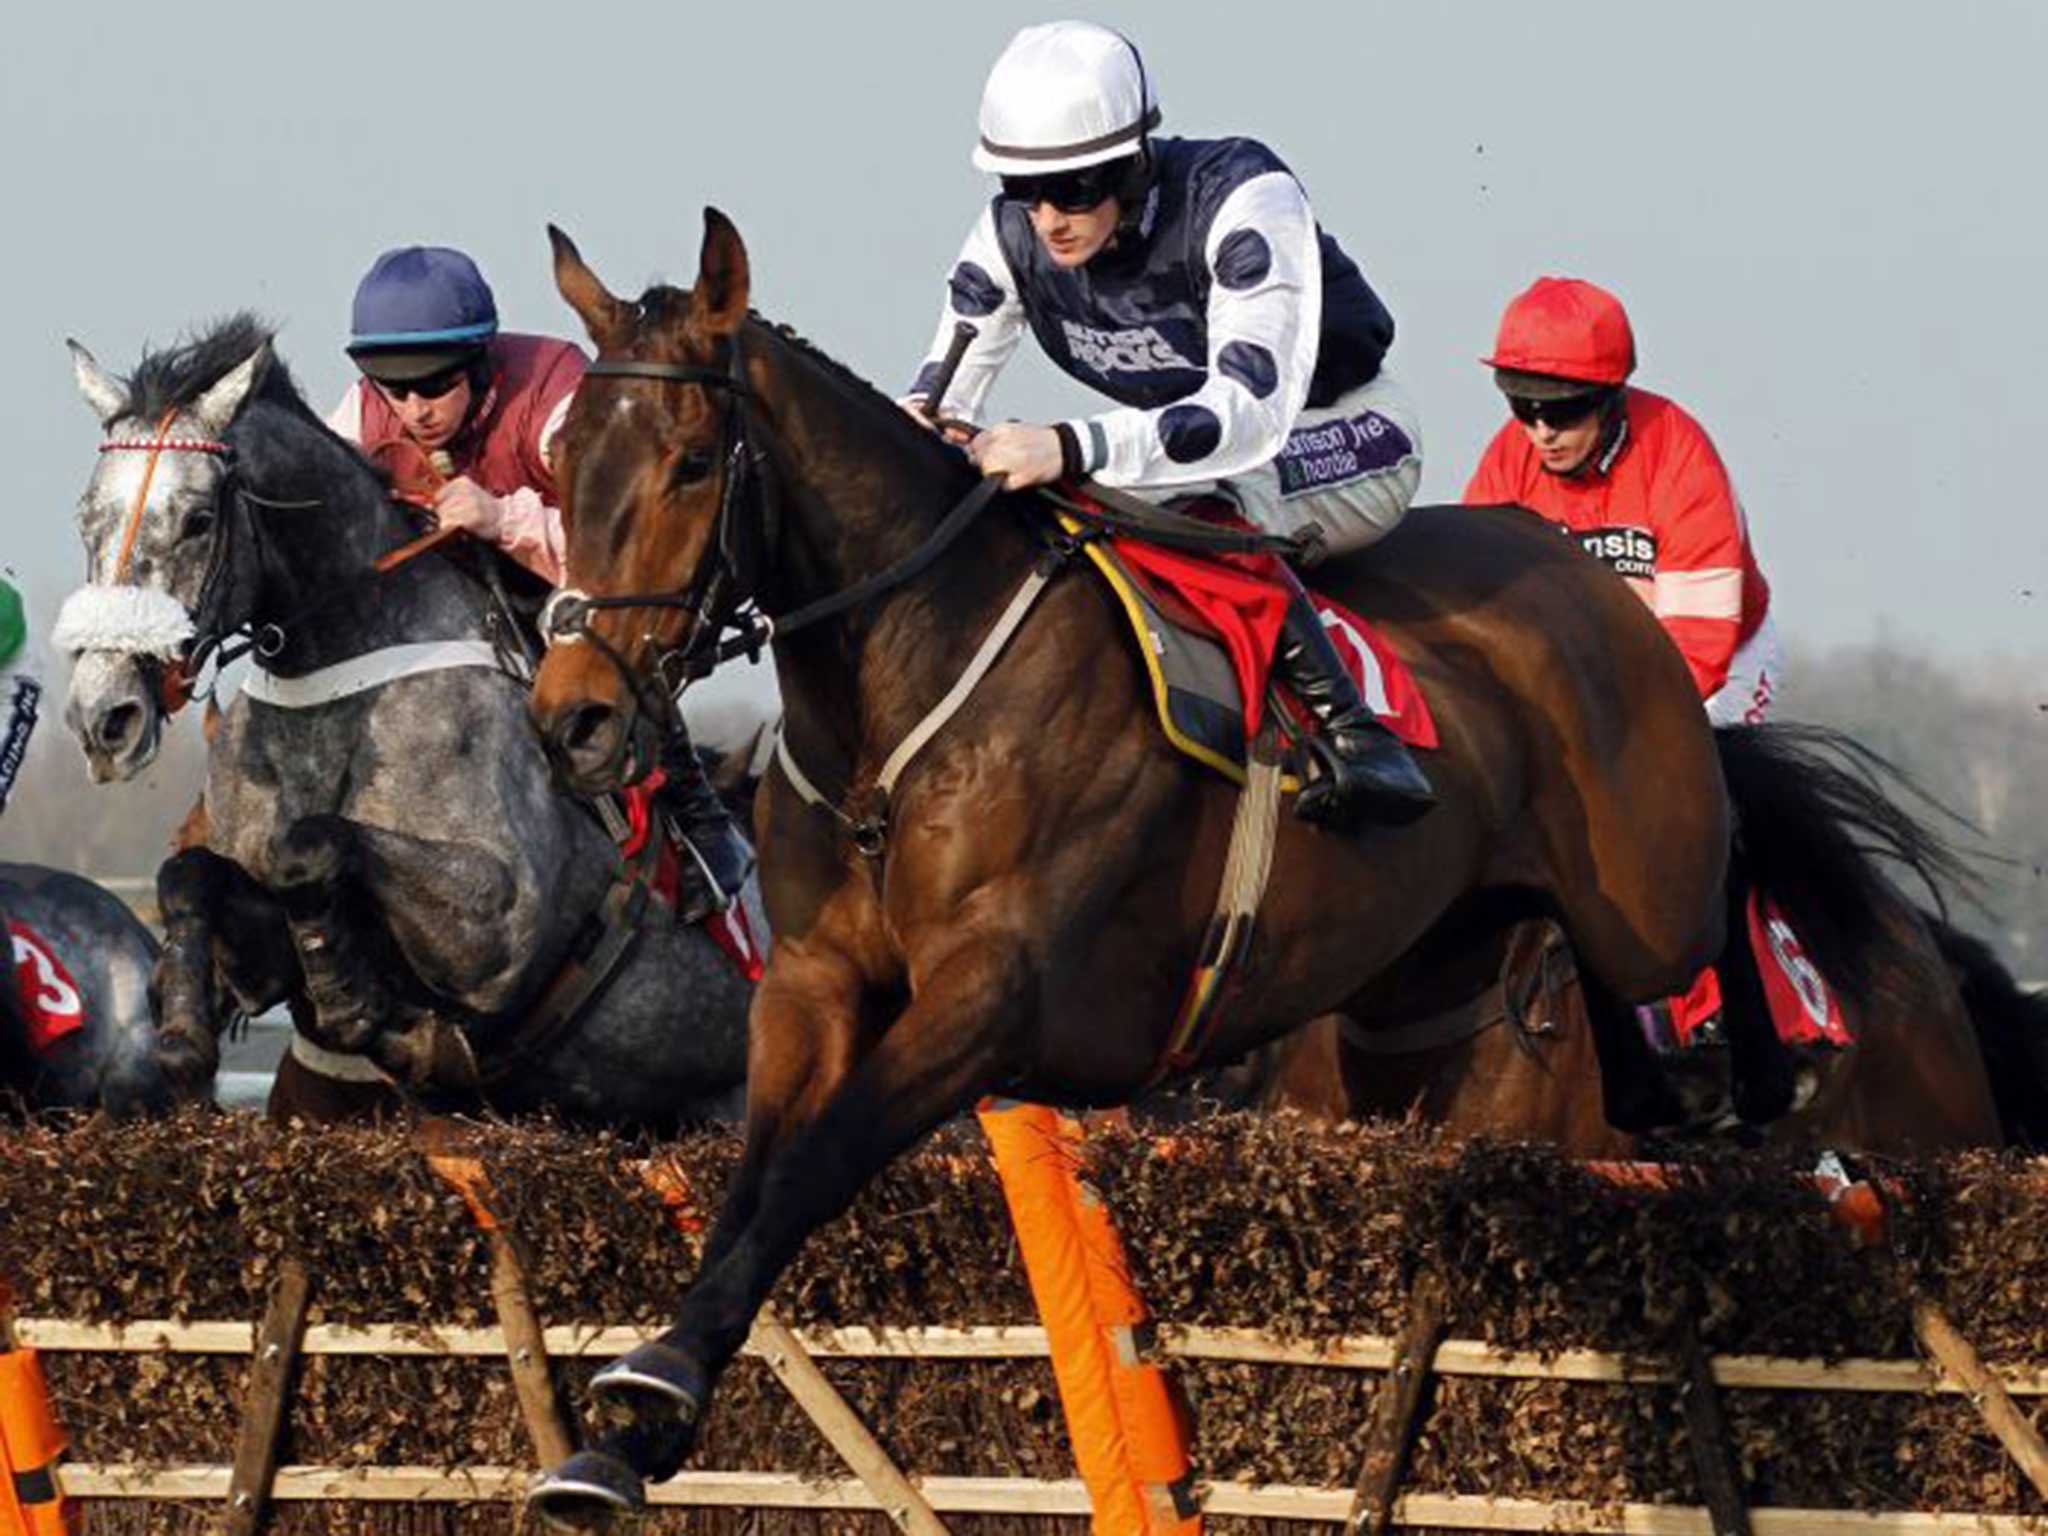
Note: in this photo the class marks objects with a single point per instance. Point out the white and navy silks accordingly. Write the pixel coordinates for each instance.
(1245, 349)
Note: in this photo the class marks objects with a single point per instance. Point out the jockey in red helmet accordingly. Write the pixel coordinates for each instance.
(1636, 480)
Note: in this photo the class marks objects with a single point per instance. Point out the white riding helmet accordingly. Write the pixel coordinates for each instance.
(1064, 95)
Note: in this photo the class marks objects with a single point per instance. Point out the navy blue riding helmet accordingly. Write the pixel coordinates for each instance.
(420, 309)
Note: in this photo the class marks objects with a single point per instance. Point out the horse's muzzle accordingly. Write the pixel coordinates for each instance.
(114, 715)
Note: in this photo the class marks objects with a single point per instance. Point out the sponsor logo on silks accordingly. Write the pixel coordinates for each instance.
(1139, 350)
(21, 725)
(1628, 551)
(50, 999)
(1336, 451)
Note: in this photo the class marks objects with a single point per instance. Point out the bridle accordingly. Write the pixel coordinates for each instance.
(176, 675)
(218, 633)
(720, 586)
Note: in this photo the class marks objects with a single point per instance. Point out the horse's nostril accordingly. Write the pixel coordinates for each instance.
(588, 727)
(118, 727)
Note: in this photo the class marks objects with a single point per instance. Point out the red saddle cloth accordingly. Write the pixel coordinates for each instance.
(1803, 1006)
(1242, 602)
(730, 929)
(51, 1003)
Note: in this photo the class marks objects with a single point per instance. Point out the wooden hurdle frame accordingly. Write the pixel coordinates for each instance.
(1377, 1501)
(962, 1495)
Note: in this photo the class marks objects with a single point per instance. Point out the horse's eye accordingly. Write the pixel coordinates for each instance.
(694, 466)
(198, 523)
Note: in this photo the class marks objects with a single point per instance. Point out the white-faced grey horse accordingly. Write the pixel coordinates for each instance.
(385, 851)
(77, 1030)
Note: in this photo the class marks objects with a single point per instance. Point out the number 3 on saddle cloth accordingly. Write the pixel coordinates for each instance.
(51, 1004)
(1207, 627)
(1804, 1008)
(730, 929)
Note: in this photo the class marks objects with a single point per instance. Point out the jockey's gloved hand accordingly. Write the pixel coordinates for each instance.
(1021, 453)
(464, 504)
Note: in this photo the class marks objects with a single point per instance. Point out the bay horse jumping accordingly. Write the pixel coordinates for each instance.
(1030, 917)
(385, 851)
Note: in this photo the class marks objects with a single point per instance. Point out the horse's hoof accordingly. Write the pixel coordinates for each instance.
(659, 1372)
(585, 1493)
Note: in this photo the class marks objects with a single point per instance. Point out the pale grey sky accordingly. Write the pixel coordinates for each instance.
(1826, 220)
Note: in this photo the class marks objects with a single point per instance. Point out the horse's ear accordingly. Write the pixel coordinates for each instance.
(718, 303)
(579, 286)
(213, 410)
(102, 391)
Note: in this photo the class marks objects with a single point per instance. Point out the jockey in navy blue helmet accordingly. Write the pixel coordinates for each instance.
(464, 415)
(1187, 280)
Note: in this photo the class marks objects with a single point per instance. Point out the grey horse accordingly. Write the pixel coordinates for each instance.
(80, 1032)
(385, 851)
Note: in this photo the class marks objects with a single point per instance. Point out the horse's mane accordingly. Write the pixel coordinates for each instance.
(169, 378)
(663, 305)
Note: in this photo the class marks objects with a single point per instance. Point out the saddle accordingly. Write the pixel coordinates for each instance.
(1206, 627)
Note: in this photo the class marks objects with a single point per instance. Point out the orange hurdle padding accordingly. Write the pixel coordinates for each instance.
(1128, 1424)
(31, 1500)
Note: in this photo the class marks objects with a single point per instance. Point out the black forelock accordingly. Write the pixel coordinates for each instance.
(172, 377)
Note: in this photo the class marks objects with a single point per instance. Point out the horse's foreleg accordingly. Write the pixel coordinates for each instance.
(959, 1038)
(353, 895)
(313, 870)
(803, 1032)
(218, 924)
(462, 912)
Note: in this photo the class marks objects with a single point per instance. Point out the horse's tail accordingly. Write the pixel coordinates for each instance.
(1815, 831)
(2012, 1031)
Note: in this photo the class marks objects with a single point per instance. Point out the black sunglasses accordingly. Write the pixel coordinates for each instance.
(1068, 191)
(432, 387)
(1561, 414)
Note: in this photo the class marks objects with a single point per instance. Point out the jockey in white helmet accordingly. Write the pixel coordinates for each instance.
(1187, 280)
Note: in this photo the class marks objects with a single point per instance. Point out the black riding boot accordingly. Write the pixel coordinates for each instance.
(723, 857)
(1367, 773)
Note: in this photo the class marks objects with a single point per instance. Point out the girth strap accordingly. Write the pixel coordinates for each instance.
(1246, 868)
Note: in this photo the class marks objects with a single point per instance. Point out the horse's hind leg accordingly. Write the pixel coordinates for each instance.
(1765, 1077)
(218, 924)
(1634, 1089)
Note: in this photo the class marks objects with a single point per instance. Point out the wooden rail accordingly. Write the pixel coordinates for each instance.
(1367, 1352)
(1028, 1496)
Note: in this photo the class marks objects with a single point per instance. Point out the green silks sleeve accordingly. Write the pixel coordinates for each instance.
(13, 623)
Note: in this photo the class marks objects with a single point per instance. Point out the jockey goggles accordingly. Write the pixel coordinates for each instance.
(1067, 191)
(433, 387)
(1561, 414)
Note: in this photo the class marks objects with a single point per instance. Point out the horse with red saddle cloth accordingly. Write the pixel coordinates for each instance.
(1012, 900)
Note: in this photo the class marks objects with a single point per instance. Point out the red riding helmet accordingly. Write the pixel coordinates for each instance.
(1566, 328)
